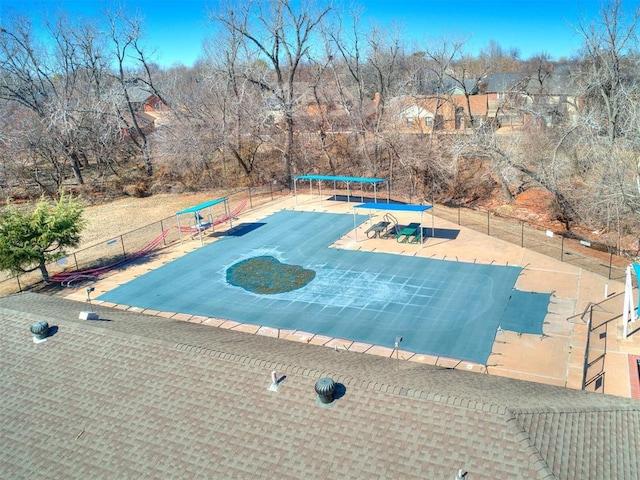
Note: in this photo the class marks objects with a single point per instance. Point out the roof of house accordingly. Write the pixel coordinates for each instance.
(139, 93)
(141, 396)
(558, 82)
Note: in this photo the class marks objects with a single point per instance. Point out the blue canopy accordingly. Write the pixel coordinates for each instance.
(335, 179)
(341, 179)
(398, 207)
(201, 206)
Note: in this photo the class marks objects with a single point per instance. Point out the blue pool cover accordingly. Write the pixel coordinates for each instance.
(441, 308)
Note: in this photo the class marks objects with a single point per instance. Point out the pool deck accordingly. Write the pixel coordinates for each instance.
(556, 358)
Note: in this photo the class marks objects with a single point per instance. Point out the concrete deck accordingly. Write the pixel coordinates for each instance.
(556, 358)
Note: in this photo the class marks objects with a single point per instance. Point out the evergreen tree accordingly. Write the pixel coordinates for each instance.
(31, 239)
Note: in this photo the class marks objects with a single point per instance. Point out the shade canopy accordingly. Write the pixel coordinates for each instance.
(201, 206)
(334, 178)
(397, 207)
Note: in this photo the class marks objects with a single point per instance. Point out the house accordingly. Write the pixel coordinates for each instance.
(143, 396)
(504, 97)
(428, 113)
(151, 111)
(144, 100)
(517, 99)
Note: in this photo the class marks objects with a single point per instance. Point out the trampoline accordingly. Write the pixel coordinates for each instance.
(440, 308)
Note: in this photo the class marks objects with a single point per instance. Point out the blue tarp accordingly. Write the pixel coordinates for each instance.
(443, 308)
(525, 312)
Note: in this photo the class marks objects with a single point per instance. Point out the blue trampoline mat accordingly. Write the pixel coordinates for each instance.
(441, 308)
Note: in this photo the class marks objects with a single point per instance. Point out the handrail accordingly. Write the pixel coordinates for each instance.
(588, 306)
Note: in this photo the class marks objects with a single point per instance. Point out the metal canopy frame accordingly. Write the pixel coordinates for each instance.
(335, 179)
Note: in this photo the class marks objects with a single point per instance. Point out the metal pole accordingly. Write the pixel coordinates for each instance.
(164, 239)
(585, 366)
(610, 261)
(124, 252)
(562, 249)
(250, 199)
(75, 259)
(18, 280)
(522, 235)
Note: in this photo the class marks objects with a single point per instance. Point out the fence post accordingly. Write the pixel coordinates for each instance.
(610, 261)
(18, 280)
(250, 199)
(124, 252)
(488, 229)
(459, 208)
(522, 235)
(562, 248)
(164, 238)
(75, 259)
(271, 190)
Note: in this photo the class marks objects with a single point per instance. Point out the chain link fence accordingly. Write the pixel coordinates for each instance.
(119, 250)
(600, 258)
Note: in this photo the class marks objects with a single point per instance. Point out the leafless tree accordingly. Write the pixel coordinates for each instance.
(277, 33)
(133, 70)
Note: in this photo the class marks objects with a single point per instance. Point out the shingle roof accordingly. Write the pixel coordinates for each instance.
(138, 396)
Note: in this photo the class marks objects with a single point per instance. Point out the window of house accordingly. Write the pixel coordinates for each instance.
(428, 121)
(409, 120)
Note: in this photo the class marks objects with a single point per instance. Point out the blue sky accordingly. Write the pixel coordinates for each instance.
(176, 29)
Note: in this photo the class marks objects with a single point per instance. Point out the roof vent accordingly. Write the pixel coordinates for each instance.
(325, 388)
(40, 332)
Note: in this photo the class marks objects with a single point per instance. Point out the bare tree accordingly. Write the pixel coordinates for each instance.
(608, 68)
(276, 33)
(133, 69)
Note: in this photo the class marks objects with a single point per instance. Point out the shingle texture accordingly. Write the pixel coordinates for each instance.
(135, 396)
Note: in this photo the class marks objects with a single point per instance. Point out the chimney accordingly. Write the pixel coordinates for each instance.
(376, 99)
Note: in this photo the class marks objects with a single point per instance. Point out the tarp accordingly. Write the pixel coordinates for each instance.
(525, 312)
